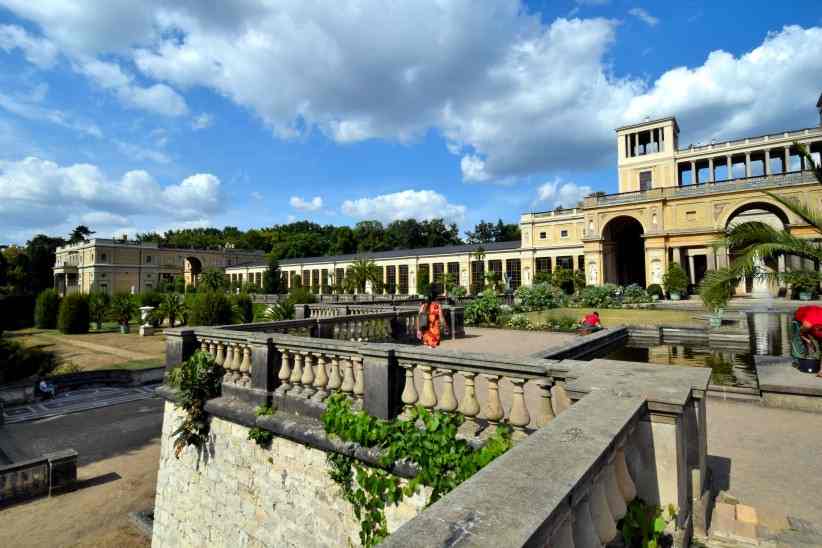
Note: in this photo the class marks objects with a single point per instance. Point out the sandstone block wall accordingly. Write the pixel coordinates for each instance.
(241, 495)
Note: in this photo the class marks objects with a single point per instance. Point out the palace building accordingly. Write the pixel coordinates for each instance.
(673, 203)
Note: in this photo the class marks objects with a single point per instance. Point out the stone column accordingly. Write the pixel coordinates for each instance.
(711, 177)
(711, 255)
(787, 160)
(263, 359)
(767, 161)
(383, 381)
(180, 345)
(694, 174)
(730, 163)
(692, 272)
(678, 256)
(747, 164)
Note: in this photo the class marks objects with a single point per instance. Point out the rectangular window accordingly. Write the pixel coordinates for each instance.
(379, 287)
(495, 266)
(423, 274)
(305, 279)
(566, 262)
(339, 276)
(581, 262)
(315, 280)
(391, 279)
(513, 273)
(544, 264)
(477, 276)
(454, 274)
(543, 235)
(403, 289)
(324, 280)
(439, 270)
(148, 259)
(563, 233)
(645, 180)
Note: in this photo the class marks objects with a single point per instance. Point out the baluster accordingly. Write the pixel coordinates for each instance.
(359, 378)
(469, 406)
(212, 348)
(600, 513)
(585, 534)
(623, 477)
(308, 375)
(245, 366)
(448, 402)
(409, 392)
(285, 372)
(296, 375)
(428, 399)
(493, 409)
(236, 363)
(348, 377)
(615, 501)
(334, 380)
(561, 401)
(320, 379)
(220, 359)
(545, 412)
(563, 536)
(208, 347)
(519, 417)
(229, 361)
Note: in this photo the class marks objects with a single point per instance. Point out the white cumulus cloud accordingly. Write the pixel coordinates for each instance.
(559, 193)
(314, 204)
(416, 204)
(643, 15)
(37, 51)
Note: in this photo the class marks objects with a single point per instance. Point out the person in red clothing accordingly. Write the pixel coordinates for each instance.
(810, 326)
(591, 320)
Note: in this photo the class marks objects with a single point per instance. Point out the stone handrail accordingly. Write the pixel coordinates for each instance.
(745, 183)
(566, 485)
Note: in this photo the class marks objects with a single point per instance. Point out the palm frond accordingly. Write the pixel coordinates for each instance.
(768, 242)
(806, 154)
(811, 216)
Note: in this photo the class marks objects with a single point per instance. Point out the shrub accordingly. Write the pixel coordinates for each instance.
(211, 308)
(485, 309)
(457, 292)
(655, 289)
(277, 312)
(150, 298)
(599, 296)
(563, 323)
(172, 307)
(74, 316)
(802, 281)
(633, 294)
(539, 297)
(212, 279)
(563, 278)
(17, 362)
(519, 321)
(245, 307)
(46, 309)
(579, 280)
(301, 295)
(675, 280)
(98, 304)
(543, 278)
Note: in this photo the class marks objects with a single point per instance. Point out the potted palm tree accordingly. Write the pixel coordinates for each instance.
(804, 283)
(715, 297)
(123, 308)
(675, 281)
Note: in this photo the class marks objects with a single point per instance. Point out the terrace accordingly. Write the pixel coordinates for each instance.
(590, 439)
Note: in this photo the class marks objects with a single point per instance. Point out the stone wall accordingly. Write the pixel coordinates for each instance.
(242, 495)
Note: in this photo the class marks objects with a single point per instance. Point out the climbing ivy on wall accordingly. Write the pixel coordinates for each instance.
(196, 380)
(426, 439)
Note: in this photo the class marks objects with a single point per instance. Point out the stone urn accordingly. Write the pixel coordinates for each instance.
(674, 295)
(146, 329)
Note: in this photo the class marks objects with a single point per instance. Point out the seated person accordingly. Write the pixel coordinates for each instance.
(592, 320)
(46, 388)
(809, 320)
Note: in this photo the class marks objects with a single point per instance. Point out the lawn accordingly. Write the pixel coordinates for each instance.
(106, 349)
(627, 316)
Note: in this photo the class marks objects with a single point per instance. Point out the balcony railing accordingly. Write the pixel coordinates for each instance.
(686, 191)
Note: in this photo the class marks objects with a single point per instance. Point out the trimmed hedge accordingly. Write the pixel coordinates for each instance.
(46, 309)
(211, 308)
(74, 316)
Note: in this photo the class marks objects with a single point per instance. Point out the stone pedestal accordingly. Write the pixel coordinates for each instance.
(146, 330)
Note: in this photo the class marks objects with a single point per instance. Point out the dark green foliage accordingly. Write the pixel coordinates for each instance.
(600, 296)
(644, 525)
(123, 308)
(212, 279)
(539, 297)
(486, 232)
(261, 436)
(196, 380)
(211, 308)
(16, 311)
(301, 295)
(675, 279)
(179, 284)
(172, 308)
(150, 298)
(484, 310)
(633, 294)
(803, 281)
(543, 278)
(655, 289)
(46, 309)
(443, 460)
(245, 307)
(17, 362)
(563, 278)
(98, 304)
(80, 234)
(74, 314)
(276, 312)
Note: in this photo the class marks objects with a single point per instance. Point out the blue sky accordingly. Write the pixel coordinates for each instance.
(134, 116)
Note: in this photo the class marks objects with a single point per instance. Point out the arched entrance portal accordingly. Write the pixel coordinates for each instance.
(773, 216)
(193, 269)
(624, 252)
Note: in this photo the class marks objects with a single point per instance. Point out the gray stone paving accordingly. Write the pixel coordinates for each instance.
(77, 400)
